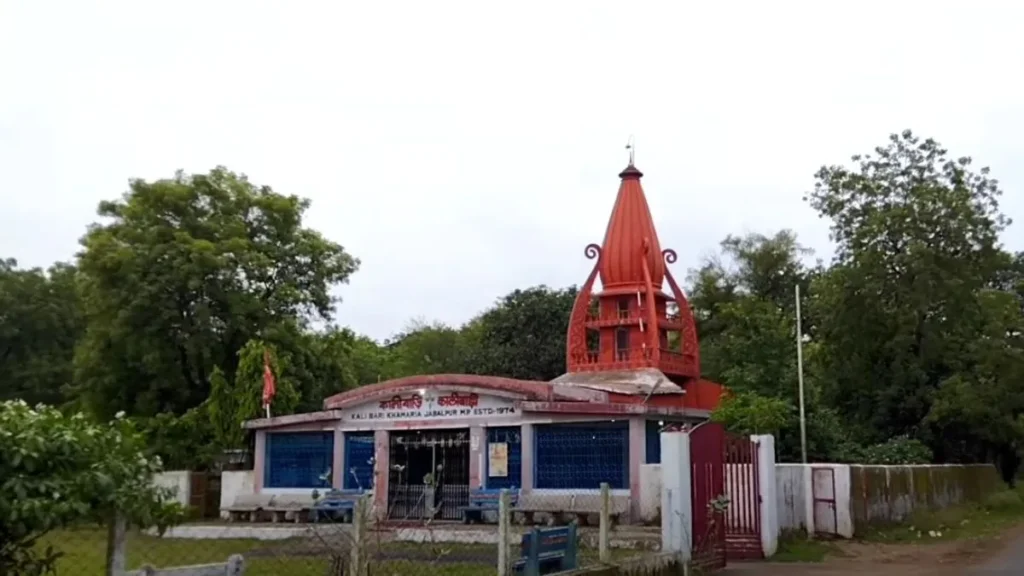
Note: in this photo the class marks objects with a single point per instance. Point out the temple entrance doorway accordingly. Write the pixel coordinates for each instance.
(429, 476)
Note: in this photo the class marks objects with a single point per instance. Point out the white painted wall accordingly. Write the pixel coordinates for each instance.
(178, 481)
(676, 499)
(650, 492)
(234, 484)
(790, 496)
(815, 498)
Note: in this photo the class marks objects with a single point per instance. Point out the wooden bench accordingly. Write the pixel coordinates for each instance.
(337, 505)
(485, 500)
(249, 507)
(547, 550)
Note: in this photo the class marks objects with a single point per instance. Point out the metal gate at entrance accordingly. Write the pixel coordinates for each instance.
(742, 485)
(707, 488)
(429, 476)
(726, 497)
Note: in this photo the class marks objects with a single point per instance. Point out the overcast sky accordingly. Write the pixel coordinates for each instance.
(464, 149)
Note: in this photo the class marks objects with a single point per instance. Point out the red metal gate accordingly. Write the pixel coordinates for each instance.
(742, 485)
(707, 486)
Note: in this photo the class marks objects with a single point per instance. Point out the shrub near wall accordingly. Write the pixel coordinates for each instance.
(886, 494)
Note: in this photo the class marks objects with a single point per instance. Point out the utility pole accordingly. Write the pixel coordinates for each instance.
(800, 377)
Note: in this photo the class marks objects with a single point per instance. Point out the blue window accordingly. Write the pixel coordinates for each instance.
(298, 460)
(582, 456)
(653, 442)
(359, 455)
(512, 436)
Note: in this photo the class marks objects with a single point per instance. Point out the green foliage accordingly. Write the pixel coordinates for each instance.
(181, 275)
(40, 323)
(523, 335)
(916, 235)
(185, 442)
(750, 413)
(58, 471)
(425, 349)
(224, 408)
(248, 389)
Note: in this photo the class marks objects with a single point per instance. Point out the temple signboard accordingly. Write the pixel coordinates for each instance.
(431, 406)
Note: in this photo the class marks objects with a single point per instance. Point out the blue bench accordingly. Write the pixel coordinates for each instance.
(485, 500)
(337, 504)
(547, 550)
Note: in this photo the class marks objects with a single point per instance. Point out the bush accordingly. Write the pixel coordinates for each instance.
(898, 450)
(1004, 501)
(58, 470)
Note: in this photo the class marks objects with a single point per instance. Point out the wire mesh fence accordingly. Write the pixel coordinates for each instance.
(352, 534)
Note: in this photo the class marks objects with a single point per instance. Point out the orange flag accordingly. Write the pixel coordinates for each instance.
(268, 382)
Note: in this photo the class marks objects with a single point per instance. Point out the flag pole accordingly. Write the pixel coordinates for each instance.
(800, 377)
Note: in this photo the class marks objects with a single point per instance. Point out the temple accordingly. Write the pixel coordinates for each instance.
(633, 367)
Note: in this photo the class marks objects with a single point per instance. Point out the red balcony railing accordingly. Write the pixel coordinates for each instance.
(668, 360)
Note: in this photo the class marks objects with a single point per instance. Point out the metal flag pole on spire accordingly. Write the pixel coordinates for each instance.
(631, 147)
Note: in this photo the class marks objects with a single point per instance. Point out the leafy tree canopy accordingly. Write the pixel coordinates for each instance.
(182, 274)
(40, 323)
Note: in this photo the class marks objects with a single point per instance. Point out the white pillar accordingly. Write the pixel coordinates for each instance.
(676, 499)
(769, 491)
(526, 472)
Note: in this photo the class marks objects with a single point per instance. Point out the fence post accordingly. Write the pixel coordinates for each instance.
(116, 546)
(357, 562)
(604, 553)
(504, 520)
(236, 565)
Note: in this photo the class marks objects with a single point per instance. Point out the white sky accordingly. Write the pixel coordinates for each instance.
(464, 149)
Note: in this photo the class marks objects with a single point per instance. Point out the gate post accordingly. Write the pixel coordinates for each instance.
(769, 504)
(676, 496)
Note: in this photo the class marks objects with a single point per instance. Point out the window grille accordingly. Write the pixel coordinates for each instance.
(298, 460)
(582, 456)
(359, 457)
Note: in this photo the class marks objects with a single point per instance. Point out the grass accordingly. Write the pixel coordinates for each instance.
(84, 554)
(794, 546)
(998, 512)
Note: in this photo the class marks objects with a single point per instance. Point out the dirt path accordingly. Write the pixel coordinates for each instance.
(1000, 556)
(1005, 560)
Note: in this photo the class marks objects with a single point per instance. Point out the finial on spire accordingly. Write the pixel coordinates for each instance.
(631, 148)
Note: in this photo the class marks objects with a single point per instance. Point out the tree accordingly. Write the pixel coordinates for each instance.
(59, 471)
(523, 335)
(425, 348)
(370, 361)
(40, 322)
(897, 313)
(183, 273)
